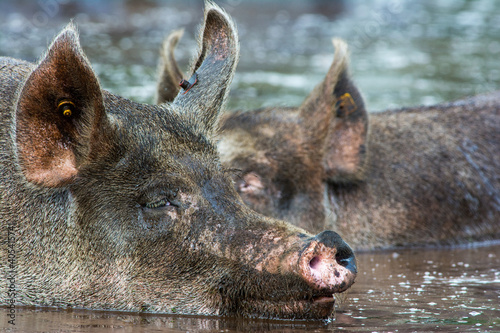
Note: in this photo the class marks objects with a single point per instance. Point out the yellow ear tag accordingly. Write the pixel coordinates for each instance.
(347, 104)
(66, 108)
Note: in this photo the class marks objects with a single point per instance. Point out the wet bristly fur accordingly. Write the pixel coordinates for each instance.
(427, 175)
(110, 204)
(432, 178)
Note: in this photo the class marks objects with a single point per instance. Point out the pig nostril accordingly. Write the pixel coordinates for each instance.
(343, 262)
(348, 262)
(314, 262)
(343, 259)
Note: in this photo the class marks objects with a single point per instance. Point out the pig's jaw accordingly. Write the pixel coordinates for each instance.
(319, 307)
(312, 297)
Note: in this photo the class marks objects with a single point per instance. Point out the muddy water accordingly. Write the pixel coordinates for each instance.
(446, 290)
(403, 53)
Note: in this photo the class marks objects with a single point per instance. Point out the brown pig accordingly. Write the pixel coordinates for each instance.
(110, 204)
(425, 175)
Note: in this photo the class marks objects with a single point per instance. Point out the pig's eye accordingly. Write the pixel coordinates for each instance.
(158, 204)
(251, 182)
(163, 203)
(160, 199)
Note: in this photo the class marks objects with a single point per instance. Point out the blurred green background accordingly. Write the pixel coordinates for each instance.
(403, 52)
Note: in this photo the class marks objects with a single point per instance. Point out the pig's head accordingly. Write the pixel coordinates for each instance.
(152, 220)
(286, 156)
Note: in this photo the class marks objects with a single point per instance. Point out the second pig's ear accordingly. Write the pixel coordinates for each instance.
(319, 108)
(205, 92)
(346, 145)
(169, 73)
(60, 112)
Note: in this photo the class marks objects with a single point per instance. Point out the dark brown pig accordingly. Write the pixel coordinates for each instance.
(110, 204)
(430, 175)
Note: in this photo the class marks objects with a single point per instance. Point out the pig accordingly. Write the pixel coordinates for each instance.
(114, 205)
(410, 177)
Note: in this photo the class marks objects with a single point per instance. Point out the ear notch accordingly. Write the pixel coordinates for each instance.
(169, 72)
(58, 111)
(214, 68)
(346, 145)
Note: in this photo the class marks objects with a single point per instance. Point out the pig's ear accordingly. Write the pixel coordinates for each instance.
(319, 108)
(58, 109)
(204, 95)
(346, 144)
(169, 72)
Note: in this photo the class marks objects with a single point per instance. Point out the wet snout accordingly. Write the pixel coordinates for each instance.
(327, 263)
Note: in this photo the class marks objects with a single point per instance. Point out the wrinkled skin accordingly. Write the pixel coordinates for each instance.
(110, 204)
(397, 178)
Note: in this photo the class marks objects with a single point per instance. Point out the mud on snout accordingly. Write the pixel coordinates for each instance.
(296, 283)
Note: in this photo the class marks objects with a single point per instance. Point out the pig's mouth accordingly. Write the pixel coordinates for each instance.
(308, 306)
(319, 307)
(324, 299)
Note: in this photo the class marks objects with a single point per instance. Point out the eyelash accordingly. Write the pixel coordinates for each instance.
(158, 204)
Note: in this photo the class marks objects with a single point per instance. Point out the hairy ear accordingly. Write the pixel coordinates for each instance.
(319, 109)
(59, 108)
(346, 144)
(169, 73)
(213, 70)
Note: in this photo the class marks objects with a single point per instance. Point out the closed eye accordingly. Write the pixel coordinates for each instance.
(160, 197)
(159, 204)
(251, 183)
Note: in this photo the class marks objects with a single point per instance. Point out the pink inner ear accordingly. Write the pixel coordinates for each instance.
(60, 172)
(45, 160)
(51, 146)
(46, 155)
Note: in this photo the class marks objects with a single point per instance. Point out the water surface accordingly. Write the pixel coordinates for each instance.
(445, 290)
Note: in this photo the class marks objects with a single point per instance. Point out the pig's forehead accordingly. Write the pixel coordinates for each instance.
(143, 125)
(151, 146)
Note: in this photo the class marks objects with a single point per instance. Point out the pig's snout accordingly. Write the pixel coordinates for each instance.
(328, 263)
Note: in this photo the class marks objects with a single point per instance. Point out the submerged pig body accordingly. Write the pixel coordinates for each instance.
(110, 204)
(427, 175)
